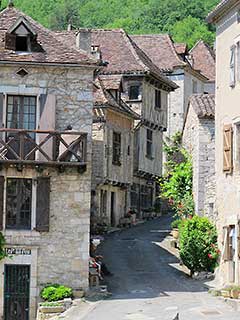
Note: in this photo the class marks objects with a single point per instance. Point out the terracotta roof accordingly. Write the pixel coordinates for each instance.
(111, 81)
(160, 48)
(204, 59)
(203, 104)
(48, 49)
(104, 99)
(220, 9)
(181, 48)
(120, 51)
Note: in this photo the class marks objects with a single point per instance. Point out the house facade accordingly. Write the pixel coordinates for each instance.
(46, 101)
(179, 65)
(199, 140)
(112, 155)
(227, 117)
(145, 89)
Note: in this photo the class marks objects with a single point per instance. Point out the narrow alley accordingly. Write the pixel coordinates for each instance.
(148, 283)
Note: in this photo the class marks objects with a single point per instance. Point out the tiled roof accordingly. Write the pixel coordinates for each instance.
(204, 59)
(103, 98)
(203, 104)
(49, 49)
(220, 9)
(122, 54)
(160, 48)
(181, 48)
(111, 81)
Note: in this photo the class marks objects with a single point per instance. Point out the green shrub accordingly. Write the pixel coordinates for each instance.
(176, 223)
(2, 243)
(198, 244)
(56, 292)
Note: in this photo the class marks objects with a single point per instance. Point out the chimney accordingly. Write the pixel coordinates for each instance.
(95, 50)
(83, 40)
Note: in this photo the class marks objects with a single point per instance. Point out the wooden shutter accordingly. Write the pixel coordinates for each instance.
(232, 66)
(227, 148)
(1, 201)
(10, 41)
(43, 204)
(47, 122)
(226, 244)
(1, 110)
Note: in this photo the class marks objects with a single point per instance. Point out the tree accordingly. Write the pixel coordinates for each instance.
(190, 30)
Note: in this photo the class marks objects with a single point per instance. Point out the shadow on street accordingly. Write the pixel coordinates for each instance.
(141, 267)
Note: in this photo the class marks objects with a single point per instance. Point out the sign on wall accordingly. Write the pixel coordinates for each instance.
(18, 251)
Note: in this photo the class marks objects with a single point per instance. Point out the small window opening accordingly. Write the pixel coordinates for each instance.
(21, 43)
(134, 92)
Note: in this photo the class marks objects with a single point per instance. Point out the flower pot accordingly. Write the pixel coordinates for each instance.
(226, 293)
(235, 293)
(49, 309)
(175, 233)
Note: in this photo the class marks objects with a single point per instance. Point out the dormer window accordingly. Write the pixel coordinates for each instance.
(20, 36)
(22, 43)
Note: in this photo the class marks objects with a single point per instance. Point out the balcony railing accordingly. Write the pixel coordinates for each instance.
(43, 147)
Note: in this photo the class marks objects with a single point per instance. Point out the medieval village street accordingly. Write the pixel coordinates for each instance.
(147, 284)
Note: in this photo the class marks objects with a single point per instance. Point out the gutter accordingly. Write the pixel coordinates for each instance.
(42, 64)
(221, 10)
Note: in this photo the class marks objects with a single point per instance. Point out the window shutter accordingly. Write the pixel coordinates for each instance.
(43, 204)
(10, 41)
(1, 201)
(47, 122)
(226, 244)
(1, 109)
(232, 66)
(227, 148)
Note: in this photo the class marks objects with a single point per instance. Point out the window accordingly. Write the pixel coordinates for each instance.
(149, 143)
(194, 86)
(158, 102)
(22, 43)
(18, 203)
(21, 112)
(116, 148)
(232, 66)
(146, 197)
(134, 93)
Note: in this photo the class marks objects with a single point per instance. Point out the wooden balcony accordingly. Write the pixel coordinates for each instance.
(39, 147)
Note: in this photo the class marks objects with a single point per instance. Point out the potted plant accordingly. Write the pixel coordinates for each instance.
(235, 292)
(175, 228)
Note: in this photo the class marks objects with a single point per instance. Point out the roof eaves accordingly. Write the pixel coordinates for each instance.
(222, 8)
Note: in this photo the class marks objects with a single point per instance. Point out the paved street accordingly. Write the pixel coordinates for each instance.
(147, 283)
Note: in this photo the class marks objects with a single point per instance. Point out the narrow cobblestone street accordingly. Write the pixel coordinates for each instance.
(148, 283)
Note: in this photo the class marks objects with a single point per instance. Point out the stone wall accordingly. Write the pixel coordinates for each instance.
(199, 140)
(60, 255)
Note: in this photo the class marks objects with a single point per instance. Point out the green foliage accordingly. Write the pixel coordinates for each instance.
(56, 292)
(136, 16)
(176, 186)
(198, 244)
(2, 243)
(176, 224)
(192, 29)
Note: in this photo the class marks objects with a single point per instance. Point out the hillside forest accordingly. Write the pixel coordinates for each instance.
(183, 19)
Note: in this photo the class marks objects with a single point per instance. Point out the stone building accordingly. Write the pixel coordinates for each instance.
(145, 90)
(46, 101)
(112, 156)
(199, 140)
(203, 59)
(226, 17)
(186, 69)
